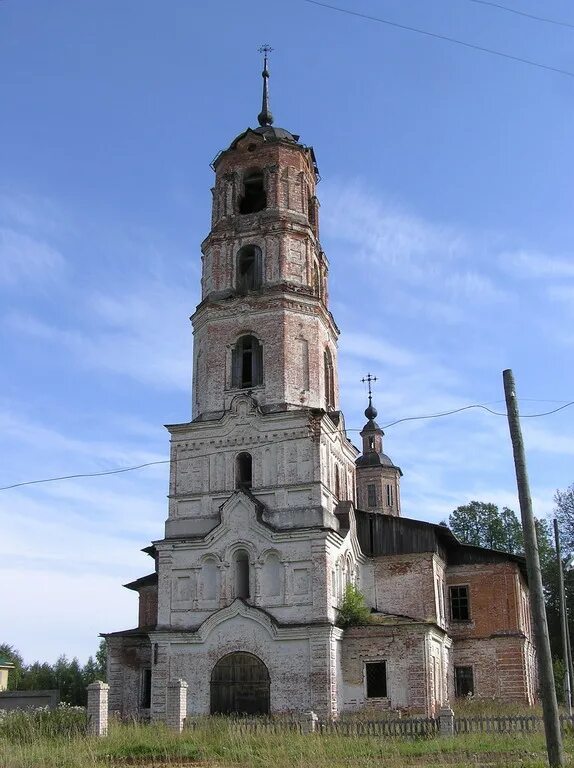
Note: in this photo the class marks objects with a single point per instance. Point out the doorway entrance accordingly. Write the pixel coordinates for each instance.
(240, 685)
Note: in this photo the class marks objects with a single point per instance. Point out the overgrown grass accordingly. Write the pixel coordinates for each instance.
(217, 743)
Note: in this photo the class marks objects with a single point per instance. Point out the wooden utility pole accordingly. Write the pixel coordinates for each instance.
(545, 673)
(563, 620)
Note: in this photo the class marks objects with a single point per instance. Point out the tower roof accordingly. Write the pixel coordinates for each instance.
(265, 117)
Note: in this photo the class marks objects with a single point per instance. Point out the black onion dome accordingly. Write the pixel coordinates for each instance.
(371, 412)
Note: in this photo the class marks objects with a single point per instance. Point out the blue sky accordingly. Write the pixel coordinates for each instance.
(446, 214)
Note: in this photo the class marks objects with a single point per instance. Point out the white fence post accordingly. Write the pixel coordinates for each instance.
(446, 721)
(98, 708)
(176, 704)
(308, 722)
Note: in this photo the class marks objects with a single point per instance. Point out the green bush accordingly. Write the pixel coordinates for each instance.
(27, 726)
(352, 610)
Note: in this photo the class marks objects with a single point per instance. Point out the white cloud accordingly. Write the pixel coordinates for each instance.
(532, 264)
(26, 259)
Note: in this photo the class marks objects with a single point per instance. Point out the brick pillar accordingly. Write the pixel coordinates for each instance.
(98, 708)
(176, 704)
(446, 721)
(308, 722)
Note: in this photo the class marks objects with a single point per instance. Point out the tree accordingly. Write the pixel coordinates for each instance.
(12, 655)
(483, 525)
(352, 609)
(564, 513)
(102, 660)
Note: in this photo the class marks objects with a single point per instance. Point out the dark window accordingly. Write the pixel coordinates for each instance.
(376, 676)
(337, 482)
(241, 574)
(254, 198)
(459, 604)
(247, 363)
(146, 689)
(463, 681)
(389, 495)
(329, 381)
(371, 496)
(243, 470)
(248, 268)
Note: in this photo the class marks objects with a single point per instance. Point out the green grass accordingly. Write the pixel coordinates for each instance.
(216, 743)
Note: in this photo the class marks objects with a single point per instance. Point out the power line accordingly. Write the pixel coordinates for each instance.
(523, 13)
(275, 442)
(446, 38)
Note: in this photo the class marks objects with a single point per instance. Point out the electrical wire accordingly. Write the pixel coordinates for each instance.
(437, 36)
(275, 442)
(545, 19)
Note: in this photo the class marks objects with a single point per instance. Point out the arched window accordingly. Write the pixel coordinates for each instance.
(247, 368)
(241, 574)
(329, 381)
(248, 268)
(243, 470)
(254, 198)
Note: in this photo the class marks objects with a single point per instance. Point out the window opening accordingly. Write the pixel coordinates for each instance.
(371, 496)
(242, 574)
(243, 470)
(247, 364)
(459, 604)
(376, 677)
(254, 198)
(337, 482)
(248, 268)
(329, 380)
(146, 689)
(316, 280)
(463, 681)
(389, 495)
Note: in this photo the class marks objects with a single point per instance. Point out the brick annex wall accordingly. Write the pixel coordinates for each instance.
(496, 641)
(127, 656)
(405, 649)
(406, 584)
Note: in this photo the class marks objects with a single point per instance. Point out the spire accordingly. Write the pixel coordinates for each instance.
(265, 117)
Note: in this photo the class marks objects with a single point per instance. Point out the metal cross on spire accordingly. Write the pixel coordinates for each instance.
(367, 380)
(265, 117)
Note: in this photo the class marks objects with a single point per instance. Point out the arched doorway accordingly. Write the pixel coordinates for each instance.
(240, 684)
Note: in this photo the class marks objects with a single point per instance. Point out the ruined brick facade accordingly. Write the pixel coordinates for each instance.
(273, 512)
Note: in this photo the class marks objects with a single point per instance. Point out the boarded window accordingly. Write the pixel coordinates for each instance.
(242, 574)
(329, 381)
(243, 470)
(459, 604)
(254, 198)
(247, 366)
(376, 679)
(371, 495)
(463, 681)
(249, 268)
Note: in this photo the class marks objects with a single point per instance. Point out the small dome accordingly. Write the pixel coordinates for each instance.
(272, 132)
(371, 412)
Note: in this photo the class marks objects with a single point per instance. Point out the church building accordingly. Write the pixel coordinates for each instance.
(273, 511)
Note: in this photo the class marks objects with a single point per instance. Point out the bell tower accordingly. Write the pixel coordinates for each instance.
(263, 326)
(378, 479)
(265, 415)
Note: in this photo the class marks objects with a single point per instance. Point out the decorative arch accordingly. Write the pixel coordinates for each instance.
(240, 684)
(247, 362)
